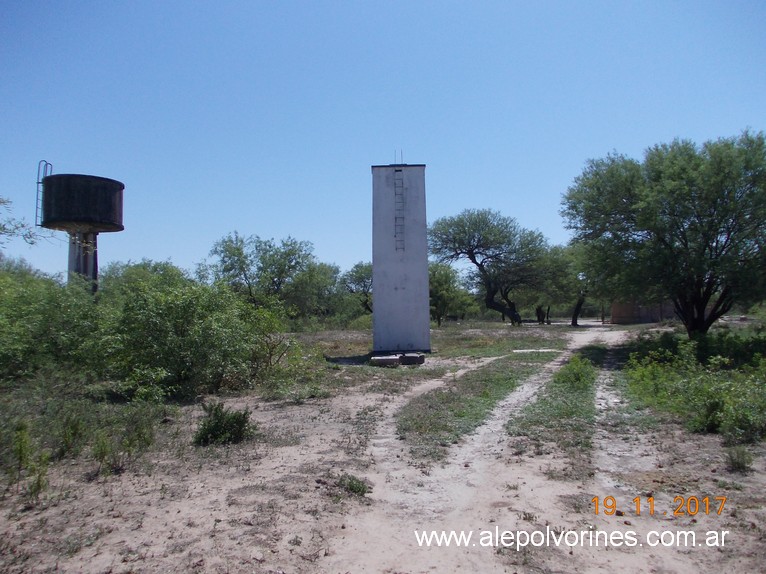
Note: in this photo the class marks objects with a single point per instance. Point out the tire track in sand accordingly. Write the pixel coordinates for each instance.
(469, 491)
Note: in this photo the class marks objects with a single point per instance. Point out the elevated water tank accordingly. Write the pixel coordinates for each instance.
(81, 203)
(83, 206)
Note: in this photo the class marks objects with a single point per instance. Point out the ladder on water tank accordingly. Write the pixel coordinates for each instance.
(44, 169)
(398, 210)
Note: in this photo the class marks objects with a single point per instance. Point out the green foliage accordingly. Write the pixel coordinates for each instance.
(295, 373)
(21, 450)
(187, 340)
(12, 227)
(102, 451)
(739, 459)
(124, 434)
(361, 323)
(221, 425)
(446, 295)
(24, 297)
(709, 396)
(72, 432)
(266, 273)
(151, 329)
(358, 281)
(353, 485)
(506, 257)
(578, 374)
(434, 420)
(38, 481)
(688, 224)
(565, 411)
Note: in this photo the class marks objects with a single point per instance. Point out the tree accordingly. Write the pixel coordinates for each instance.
(260, 268)
(237, 264)
(314, 291)
(688, 224)
(11, 227)
(562, 282)
(279, 264)
(358, 281)
(446, 295)
(504, 254)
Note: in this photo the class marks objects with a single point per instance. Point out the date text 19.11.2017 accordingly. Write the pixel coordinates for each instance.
(683, 506)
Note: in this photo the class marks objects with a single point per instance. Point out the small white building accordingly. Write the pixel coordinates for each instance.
(401, 314)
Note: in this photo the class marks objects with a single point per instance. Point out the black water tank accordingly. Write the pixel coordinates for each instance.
(84, 203)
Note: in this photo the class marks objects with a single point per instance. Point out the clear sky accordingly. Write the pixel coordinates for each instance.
(265, 117)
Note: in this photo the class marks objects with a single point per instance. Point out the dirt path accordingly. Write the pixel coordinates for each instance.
(484, 487)
(473, 490)
(274, 506)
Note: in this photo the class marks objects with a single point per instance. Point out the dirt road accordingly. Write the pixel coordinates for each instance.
(274, 505)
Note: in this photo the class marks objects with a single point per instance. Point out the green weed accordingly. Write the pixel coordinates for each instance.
(221, 425)
(708, 397)
(564, 413)
(22, 450)
(739, 459)
(431, 422)
(354, 485)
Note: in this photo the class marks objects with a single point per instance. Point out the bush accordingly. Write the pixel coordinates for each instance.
(739, 459)
(295, 376)
(150, 327)
(578, 374)
(354, 485)
(125, 434)
(710, 396)
(222, 425)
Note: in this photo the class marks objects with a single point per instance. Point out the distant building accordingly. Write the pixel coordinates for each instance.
(401, 314)
(625, 313)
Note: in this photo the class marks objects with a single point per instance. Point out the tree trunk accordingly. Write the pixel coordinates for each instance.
(697, 314)
(577, 309)
(490, 303)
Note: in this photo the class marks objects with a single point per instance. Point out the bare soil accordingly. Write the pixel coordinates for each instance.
(277, 504)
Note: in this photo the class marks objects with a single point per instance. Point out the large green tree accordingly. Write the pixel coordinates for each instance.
(261, 268)
(504, 255)
(688, 223)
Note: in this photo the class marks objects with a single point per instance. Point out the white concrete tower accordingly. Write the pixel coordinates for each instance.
(401, 315)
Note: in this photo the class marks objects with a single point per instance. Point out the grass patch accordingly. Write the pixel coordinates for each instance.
(564, 413)
(495, 339)
(51, 417)
(431, 422)
(354, 485)
(715, 394)
(595, 353)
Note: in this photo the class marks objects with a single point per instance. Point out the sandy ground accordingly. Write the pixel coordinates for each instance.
(274, 505)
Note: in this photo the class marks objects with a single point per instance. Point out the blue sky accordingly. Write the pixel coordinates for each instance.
(265, 117)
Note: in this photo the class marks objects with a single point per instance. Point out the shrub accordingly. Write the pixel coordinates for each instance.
(739, 459)
(708, 397)
(221, 425)
(21, 449)
(295, 375)
(578, 374)
(353, 485)
(126, 433)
